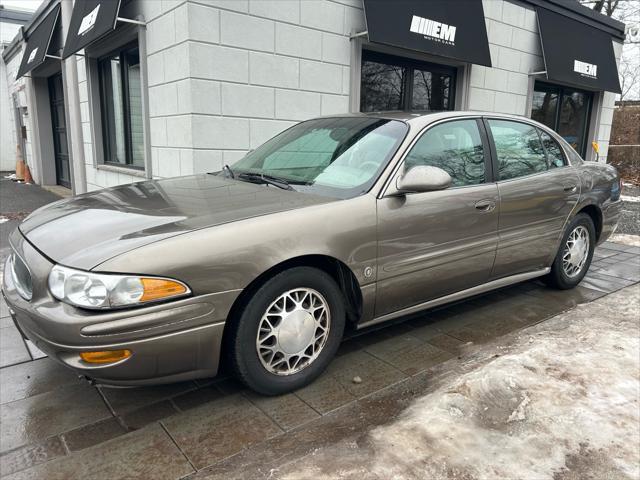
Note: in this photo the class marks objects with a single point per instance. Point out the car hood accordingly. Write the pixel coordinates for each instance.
(86, 230)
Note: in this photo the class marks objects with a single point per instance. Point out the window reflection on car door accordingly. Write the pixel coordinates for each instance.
(434, 243)
(537, 193)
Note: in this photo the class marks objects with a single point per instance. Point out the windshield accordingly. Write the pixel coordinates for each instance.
(338, 157)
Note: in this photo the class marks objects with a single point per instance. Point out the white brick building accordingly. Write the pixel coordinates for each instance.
(204, 81)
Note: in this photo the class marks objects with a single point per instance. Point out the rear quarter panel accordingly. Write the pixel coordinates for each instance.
(598, 180)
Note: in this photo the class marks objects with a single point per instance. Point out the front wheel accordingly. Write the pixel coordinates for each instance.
(575, 253)
(289, 331)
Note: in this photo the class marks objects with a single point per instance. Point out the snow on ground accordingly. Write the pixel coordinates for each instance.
(560, 402)
(626, 239)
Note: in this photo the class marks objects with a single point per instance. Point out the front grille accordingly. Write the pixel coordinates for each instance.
(21, 277)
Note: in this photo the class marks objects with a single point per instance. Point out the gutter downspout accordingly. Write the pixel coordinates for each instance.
(70, 66)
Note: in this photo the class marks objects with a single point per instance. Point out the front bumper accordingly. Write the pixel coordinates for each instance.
(169, 342)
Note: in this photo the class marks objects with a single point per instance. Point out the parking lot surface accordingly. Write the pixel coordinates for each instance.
(56, 426)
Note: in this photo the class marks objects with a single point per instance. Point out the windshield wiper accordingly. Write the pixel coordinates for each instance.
(266, 179)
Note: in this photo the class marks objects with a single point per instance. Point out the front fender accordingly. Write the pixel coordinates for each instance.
(230, 256)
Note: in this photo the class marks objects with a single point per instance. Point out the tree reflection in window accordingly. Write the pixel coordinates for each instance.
(395, 83)
(455, 147)
(518, 148)
(555, 157)
(382, 87)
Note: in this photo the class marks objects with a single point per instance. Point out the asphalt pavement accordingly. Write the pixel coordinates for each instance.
(17, 200)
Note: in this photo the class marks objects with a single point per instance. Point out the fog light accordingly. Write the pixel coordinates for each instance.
(107, 356)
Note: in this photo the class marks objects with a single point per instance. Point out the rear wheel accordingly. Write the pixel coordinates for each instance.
(575, 253)
(289, 331)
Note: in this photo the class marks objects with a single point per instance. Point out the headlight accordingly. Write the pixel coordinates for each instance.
(102, 291)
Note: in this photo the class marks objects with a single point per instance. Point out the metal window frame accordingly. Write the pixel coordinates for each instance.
(411, 65)
(542, 86)
(121, 53)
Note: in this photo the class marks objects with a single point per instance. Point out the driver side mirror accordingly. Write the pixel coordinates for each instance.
(423, 178)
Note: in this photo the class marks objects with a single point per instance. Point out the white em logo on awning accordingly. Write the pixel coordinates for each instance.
(586, 69)
(32, 55)
(88, 21)
(435, 30)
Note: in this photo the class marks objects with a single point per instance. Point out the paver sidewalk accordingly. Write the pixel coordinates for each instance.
(53, 425)
(57, 426)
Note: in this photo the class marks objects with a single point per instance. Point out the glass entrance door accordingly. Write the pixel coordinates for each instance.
(565, 110)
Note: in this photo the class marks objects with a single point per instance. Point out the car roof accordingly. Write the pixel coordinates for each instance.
(421, 119)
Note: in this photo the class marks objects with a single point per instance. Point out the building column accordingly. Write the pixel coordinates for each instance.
(74, 119)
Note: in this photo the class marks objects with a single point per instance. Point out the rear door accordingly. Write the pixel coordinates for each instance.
(538, 190)
(435, 243)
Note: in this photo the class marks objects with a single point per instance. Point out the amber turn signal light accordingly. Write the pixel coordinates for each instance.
(157, 288)
(106, 356)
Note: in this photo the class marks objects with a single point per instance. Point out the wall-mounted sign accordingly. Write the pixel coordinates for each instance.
(452, 29)
(36, 46)
(32, 55)
(577, 54)
(434, 30)
(584, 68)
(90, 20)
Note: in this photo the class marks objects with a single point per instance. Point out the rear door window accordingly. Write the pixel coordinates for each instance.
(555, 156)
(518, 148)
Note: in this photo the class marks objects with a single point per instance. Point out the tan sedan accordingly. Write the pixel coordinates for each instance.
(337, 223)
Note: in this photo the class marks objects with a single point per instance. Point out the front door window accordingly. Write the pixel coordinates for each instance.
(564, 110)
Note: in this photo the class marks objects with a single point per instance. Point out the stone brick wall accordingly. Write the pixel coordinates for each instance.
(225, 75)
(515, 51)
(606, 114)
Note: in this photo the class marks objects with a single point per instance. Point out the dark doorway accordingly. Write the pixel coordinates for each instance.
(566, 110)
(59, 127)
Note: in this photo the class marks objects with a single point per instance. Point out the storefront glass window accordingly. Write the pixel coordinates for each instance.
(430, 91)
(564, 110)
(121, 102)
(395, 83)
(382, 86)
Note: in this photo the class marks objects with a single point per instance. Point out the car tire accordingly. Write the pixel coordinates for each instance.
(565, 273)
(271, 322)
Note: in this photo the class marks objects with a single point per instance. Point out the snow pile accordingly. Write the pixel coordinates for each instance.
(560, 403)
(543, 411)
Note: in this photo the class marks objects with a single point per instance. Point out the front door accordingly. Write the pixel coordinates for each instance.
(435, 243)
(538, 190)
(59, 127)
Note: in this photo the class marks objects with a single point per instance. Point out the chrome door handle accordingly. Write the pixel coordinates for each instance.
(570, 188)
(485, 205)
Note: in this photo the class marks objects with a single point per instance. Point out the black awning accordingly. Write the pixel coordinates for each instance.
(439, 27)
(90, 20)
(577, 54)
(37, 44)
